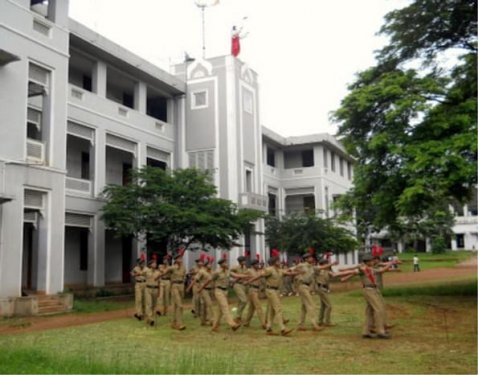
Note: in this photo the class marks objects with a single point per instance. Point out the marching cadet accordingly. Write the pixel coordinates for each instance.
(322, 279)
(196, 300)
(164, 288)
(375, 309)
(305, 280)
(221, 278)
(273, 275)
(151, 291)
(253, 296)
(177, 273)
(139, 274)
(240, 288)
(201, 276)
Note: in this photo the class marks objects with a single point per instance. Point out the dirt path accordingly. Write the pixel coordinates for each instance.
(41, 323)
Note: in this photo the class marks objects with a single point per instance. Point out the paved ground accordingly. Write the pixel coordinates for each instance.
(31, 324)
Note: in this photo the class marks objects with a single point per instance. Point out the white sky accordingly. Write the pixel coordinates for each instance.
(305, 51)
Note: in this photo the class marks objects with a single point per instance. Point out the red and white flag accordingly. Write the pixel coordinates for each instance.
(235, 42)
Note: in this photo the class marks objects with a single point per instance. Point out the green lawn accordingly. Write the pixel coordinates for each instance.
(434, 334)
(429, 260)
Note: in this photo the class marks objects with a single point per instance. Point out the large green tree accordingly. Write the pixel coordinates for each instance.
(410, 121)
(294, 234)
(176, 208)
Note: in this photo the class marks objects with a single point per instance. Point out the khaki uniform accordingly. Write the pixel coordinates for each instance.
(241, 291)
(308, 306)
(379, 279)
(201, 278)
(254, 300)
(139, 289)
(178, 275)
(196, 300)
(164, 291)
(151, 293)
(273, 278)
(221, 279)
(375, 310)
(322, 281)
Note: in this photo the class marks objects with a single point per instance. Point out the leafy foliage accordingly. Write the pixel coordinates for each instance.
(413, 130)
(296, 233)
(175, 207)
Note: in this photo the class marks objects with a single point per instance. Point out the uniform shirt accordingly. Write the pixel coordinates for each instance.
(366, 282)
(307, 273)
(378, 278)
(163, 268)
(151, 277)
(177, 273)
(221, 278)
(140, 273)
(252, 272)
(323, 277)
(202, 277)
(273, 276)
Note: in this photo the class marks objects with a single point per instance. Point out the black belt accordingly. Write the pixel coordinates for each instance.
(254, 286)
(220, 287)
(177, 282)
(208, 288)
(323, 285)
(151, 286)
(140, 281)
(272, 287)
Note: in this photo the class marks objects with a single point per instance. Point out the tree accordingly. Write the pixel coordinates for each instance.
(176, 208)
(296, 233)
(411, 121)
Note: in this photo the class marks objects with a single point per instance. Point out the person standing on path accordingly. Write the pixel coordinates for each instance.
(416, 263)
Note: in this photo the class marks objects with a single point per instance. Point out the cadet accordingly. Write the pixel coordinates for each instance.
(196, 300)
(139, 274)
(374, 312)
(151, 292)
(178, 274)
(305, 280)
(273, 276)
(221, 278)
(239, 288)
(323, 289)
(201, 276)
(164, 288)
(253, 296)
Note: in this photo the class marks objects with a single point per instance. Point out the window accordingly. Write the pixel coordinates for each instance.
(460, 241)
(85, 165)
(156, 105)
(272, 204)
(341, 166)
(326, 163)
(271, 157)
(119, 88)
(80, 70)
(40, 7)
(248, 102)
(349, 170)
(309, 203)
(156, 163)
(308, 158)
(199, 99)
(332, 161)
(84, 250)
(248, 180)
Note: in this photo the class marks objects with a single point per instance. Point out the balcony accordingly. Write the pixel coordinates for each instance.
(253, 201)
(301, 172)
(79, 98)
(35, 150)
(79, 185)
(466, 220)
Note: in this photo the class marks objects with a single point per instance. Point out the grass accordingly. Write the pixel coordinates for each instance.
(434, 334)
(100, 305)
(430, 260)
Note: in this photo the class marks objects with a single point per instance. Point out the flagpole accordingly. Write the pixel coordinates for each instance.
(203, 32)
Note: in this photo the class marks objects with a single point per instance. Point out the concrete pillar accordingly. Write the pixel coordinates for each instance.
(96, 262)
(99, 161)
(99, 76)
(141, 155)
(42, 249)
(140, 97)
(465, 210)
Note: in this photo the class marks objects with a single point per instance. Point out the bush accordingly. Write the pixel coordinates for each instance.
(438, 245)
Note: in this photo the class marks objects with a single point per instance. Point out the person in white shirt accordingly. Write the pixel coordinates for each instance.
(416, 264)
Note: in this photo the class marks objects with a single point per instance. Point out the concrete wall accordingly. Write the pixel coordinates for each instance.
(73, 274)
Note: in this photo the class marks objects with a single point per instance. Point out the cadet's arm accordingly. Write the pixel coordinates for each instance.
(205, 285)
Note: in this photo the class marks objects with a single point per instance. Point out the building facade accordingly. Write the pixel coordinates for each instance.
(78, 112)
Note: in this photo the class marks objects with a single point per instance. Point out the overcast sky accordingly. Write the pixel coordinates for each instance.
(305, 51)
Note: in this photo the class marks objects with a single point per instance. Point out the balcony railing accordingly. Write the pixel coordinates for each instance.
(35, 150)
(253, 201)
(466, 220)
(79, 185)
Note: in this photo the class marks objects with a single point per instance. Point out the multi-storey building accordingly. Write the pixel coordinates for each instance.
(78, 112)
